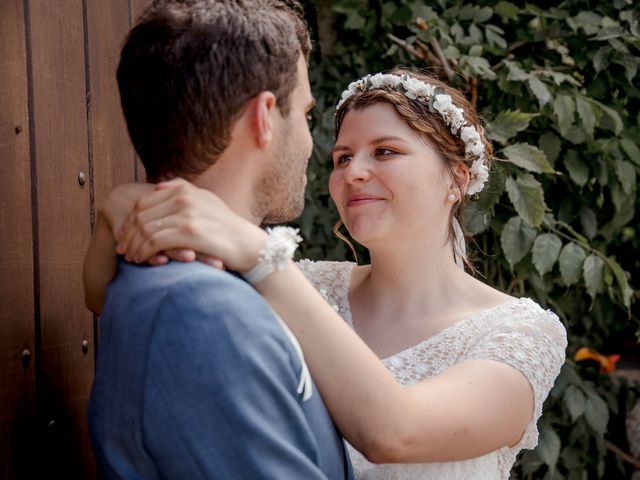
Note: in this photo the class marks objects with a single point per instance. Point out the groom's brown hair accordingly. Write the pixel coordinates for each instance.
(188, 68)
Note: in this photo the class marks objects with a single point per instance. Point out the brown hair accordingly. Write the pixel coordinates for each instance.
(189, 67)
(429, 125)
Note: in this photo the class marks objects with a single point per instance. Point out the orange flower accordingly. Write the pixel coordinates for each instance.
(607, 363)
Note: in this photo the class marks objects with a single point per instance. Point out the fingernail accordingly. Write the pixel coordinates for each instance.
(120, 248)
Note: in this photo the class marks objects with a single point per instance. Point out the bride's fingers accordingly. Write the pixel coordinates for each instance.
(174, 182)
(181, 254)
(184, 233)
(161, 241)
(214, 262)
(157, 260)
(151, 219)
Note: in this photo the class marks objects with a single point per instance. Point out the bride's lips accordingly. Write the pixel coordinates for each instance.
(362, 199)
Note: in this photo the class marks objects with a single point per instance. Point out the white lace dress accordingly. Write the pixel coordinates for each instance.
(519, 333)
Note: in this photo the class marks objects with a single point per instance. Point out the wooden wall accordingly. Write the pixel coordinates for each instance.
(63, 145)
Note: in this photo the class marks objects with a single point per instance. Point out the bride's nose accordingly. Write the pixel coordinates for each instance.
(358, 170)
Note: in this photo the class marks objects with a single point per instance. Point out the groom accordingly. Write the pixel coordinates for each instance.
(196, 377)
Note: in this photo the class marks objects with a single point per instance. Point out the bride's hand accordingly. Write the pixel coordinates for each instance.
(120, 201)
(178, 215)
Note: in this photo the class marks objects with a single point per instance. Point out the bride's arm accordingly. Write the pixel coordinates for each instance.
(469, 410)
(100, 260)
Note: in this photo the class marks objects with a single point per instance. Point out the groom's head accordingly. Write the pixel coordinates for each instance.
(190, 70)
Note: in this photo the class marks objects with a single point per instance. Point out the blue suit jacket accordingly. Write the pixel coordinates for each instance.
(196, 378)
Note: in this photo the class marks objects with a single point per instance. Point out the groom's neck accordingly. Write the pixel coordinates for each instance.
(233, 181)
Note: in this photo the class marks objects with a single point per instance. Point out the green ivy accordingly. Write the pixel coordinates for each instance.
(558, 85)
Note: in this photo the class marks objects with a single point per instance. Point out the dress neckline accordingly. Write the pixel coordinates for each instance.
(454, 326)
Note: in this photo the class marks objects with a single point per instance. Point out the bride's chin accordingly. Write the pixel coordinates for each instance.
(364, 234)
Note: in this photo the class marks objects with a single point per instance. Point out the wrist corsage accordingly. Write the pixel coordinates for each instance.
(278, 250)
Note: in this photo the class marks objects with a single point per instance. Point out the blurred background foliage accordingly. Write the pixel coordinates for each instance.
(558, 85)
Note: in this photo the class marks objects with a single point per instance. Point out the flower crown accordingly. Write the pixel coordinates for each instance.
(438, 102)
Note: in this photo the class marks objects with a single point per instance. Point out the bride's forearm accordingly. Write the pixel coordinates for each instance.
(99, 265)
(369, 407)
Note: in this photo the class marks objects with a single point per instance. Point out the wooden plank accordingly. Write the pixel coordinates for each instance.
(61, 146)
(17, 327)
(137, 7)
(112, 158)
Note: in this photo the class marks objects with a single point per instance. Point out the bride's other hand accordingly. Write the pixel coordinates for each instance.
(179, 215)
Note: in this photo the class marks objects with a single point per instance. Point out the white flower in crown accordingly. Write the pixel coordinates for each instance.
(351, 90)
(417, 89)
(454, 116)
(479, 175)
(380, 80)
(472, 141)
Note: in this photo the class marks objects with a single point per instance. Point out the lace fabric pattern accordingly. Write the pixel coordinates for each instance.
(519, 333)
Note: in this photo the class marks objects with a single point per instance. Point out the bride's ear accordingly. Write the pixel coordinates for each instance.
(461, 178)
(263, 113)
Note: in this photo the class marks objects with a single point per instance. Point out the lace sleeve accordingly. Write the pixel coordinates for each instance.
(533, 341)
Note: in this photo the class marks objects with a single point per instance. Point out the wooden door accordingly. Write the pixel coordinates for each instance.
(63, 145)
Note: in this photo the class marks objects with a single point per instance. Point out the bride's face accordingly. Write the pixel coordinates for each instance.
(387, 182)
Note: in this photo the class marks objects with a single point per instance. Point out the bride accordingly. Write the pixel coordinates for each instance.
(446, 376)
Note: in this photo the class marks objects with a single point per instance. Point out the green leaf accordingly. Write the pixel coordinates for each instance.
(575, 401)
(516, 74)
(484, 14)
(601, 59)
(508, 123)
(631, 149)
(467, 12)
(516, 239)
(476, 219)
(527, 197)
(549, 446)
(528, 157)
(589, 21)
(476, 34)
(571, 260)
(564, 109)
(559, 78)
(494, 38)
(621, 277)
(478, 66)
(540, 90)
(586, 114)
(608, 33)
(614, 121)
(589, 222)
(578, 170)
(597, 414)
(626, 173)
(592, 271)
(551, 145)
(507, 10)
(545, 250)
(630, 67)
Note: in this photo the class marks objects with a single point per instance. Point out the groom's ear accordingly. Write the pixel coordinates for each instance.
(263, 117)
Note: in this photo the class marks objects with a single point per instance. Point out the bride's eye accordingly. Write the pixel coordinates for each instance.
(383, 151)
(341, 159)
